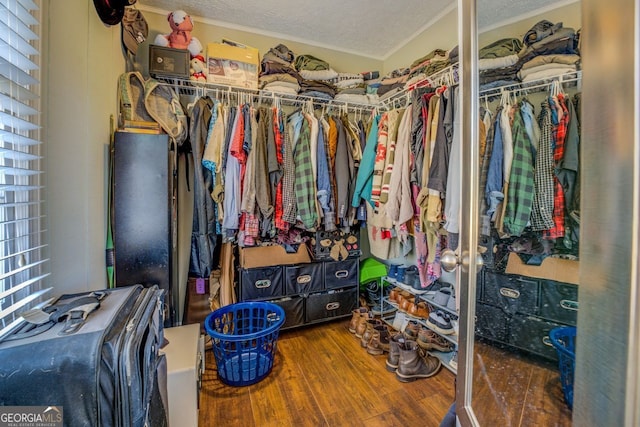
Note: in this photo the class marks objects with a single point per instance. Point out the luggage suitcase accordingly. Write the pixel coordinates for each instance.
(95, 355)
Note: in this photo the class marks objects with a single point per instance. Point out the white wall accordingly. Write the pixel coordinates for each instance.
(84, 60)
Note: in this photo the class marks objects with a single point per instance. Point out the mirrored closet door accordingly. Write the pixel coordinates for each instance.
(520, 216)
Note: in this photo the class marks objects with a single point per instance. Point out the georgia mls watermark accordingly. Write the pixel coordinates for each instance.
(31, 416)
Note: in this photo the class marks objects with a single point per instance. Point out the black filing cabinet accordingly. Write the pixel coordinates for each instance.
(145, 214)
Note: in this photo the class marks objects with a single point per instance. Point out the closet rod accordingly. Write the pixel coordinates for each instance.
(574, 76)
(187, 87)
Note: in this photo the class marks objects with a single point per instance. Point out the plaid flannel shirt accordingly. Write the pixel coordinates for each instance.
(542, 213)
(288, 191)
(304, 178)
(521, 182)
(560, 132)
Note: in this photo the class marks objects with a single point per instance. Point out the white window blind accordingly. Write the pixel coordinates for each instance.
(23, 248)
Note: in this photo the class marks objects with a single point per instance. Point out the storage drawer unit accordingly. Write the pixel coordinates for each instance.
(513, 294)
(559, 302)
(261, 283)
(491, 323)
(520, 311)
(531, 333)
(303, 278)
(308, 293)
(293, 310)
(331, 304)
(341, 274)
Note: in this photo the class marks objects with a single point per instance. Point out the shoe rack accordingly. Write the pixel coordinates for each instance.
(399, 319)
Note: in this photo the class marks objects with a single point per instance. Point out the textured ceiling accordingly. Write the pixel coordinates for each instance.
(373, 28)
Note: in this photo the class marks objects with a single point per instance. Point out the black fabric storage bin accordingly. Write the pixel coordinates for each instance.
(341, 274)
(303, 278)
(261, 283)
(559, 302)
(491, 323)
(532, 334)
(331, 304)
(293, 310)
(513, 294)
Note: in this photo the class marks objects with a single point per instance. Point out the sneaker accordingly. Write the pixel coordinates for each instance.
(440, 322)
(442, 297)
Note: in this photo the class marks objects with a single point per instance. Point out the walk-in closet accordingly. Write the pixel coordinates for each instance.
(336, 214)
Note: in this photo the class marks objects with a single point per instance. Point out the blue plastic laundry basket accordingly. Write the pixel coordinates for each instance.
(244, 338)
(563, 339)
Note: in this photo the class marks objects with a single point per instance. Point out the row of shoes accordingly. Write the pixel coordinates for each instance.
(407, 303)
(373, 333)
(408, 355)
(406, 275)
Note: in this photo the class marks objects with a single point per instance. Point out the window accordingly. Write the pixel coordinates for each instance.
(23, 247)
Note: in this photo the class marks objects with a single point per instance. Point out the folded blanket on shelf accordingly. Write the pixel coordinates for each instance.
(357, 99)
(566, 59)
(545, 71)
(318, 74)
(282, 77)
(498, 62)
(310, 62)
(282, 87)
(499, 48)
(271, 67)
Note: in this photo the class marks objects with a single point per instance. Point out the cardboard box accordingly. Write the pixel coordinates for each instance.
(233, 65)
(560, 270)
(265, 256)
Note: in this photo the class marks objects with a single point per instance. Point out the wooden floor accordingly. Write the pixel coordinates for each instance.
(322, 377)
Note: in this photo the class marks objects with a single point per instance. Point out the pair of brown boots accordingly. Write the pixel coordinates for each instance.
(373, 333)
(409, 361)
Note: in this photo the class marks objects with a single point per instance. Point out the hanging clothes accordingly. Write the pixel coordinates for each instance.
(203, 238)
(380, 159)
(521, 182)
(232, 184)
(305, 199)
(262, 171)
(542, 210)
(394, 118)
(399, 206)
(452, 200)
(323, 182)
(342, 172)
(560, 118)
(364, 179)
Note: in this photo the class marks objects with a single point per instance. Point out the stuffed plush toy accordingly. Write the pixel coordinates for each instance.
(180, 36)
(198, 69)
